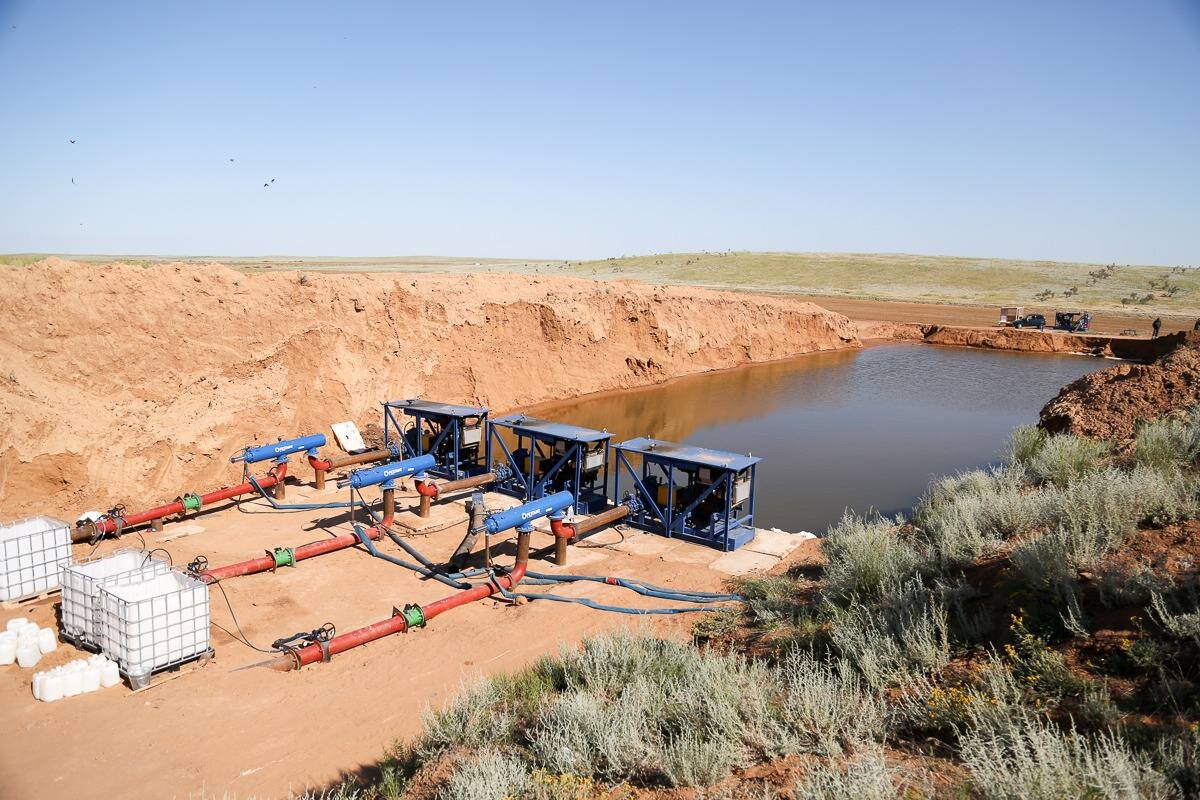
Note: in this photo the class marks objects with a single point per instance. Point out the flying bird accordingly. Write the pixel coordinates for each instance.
(265, 185)
(272, 180)
(231, 161)
(72, 181)
(72, 141)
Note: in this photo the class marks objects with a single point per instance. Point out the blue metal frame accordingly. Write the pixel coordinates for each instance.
(538, 440)
(662, 463)
(451, 421)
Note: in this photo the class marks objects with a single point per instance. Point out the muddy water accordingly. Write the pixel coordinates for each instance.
(851, 429)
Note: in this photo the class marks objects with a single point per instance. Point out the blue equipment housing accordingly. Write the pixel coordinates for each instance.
(551, 457)
(689, 492)
(281, 450)
(453, 434)
(385, 473)
(524, 515)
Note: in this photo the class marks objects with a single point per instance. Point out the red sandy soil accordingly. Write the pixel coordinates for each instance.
(120, 381)
(257, 731)
(1110, 404)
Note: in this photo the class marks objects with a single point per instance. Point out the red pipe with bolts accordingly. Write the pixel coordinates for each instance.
(91, 530)
(305, 551)
(399, 621)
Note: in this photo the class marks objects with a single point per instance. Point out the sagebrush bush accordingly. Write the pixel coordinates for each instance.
(1064, 456)
(1169, 443)
(488, 775)
(1030, 759)
(865, 556)
(826, 708)
(866, 777)
(1024, 443)
(476, 717)
(1179, 623)
(905, 634)
(960, 520)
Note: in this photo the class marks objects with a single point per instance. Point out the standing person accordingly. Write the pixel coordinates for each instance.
(1157, 327)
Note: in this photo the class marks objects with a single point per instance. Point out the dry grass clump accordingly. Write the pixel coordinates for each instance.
(866, 777)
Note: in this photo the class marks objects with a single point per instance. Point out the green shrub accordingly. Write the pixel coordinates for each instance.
(489, 775)
(476, 717)
(905, 634)
(1025, 443)
(770, 600)
(867, 777)
(1169, 443)
(1064, 456)
(962, 519)
(1179, 623)
(1029, 759)
(826, 708)
(865, 555)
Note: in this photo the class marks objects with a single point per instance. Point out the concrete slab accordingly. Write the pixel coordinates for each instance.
(688, 553)
(774, 542)
(743, 561)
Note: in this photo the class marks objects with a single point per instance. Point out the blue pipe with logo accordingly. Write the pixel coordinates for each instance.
(280, 450)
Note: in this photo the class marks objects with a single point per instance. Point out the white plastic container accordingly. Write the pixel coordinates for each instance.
(91, 678)
(47, 641)
(155, 624)
(8, 651)
(28, 657)
(31, 554)
(72, 682)
(52, 687)
(110, 674)
(82, 615)
(15, 624)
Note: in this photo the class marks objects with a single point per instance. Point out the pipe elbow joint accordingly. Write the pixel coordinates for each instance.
(562, 530)
(427, 488)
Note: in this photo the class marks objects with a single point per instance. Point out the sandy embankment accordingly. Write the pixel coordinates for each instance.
(125, 382)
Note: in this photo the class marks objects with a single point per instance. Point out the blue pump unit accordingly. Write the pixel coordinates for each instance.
(550, 457)
(452, 433)
(525, 514)
(389, 472)
(281, 450)
(689, 492)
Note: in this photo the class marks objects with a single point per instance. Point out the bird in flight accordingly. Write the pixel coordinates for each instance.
(72, 181)
(72, 141)
(272, 180)
(231, 161)
(265, 185)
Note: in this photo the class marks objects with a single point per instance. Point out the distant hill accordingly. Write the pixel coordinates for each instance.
(1136, 289)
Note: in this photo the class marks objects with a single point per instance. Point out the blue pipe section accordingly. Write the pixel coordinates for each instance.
(524, 514)
(277, 450)
(390, 471)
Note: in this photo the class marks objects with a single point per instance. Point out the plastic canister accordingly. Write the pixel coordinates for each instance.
(8, 651)
(16, 623)
(72, 683)
(28, 656)
(38, 677)
(52, 687)
(91, 678)
(110, 674)
(47, 641)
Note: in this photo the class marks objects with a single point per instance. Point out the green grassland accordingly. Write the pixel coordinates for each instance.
(1138, 289)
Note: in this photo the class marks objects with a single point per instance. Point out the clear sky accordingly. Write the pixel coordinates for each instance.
(1062, 130)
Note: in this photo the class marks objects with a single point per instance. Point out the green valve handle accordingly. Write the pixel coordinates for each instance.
(284, 557)
(191, 502)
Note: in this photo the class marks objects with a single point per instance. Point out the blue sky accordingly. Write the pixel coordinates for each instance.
(1061, 130)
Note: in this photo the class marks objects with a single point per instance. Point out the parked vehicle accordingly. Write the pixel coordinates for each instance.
(1030, 321)
(1072, 321)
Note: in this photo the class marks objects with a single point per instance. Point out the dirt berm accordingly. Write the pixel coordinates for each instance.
(1110, 404)
(121, 382)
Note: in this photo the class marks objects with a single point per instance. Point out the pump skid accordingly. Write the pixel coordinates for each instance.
(548, 457)
(452, 434)
(689, 492)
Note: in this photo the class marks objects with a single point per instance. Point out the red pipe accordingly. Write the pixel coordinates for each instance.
(566, 531)
(398, 622)
(431, 491)
(108, 525)
(305, 551)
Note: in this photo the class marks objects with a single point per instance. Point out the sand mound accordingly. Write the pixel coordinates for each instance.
(128, 382)
(1110, 404)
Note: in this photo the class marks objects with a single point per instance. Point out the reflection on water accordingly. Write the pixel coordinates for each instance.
(853, 429)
